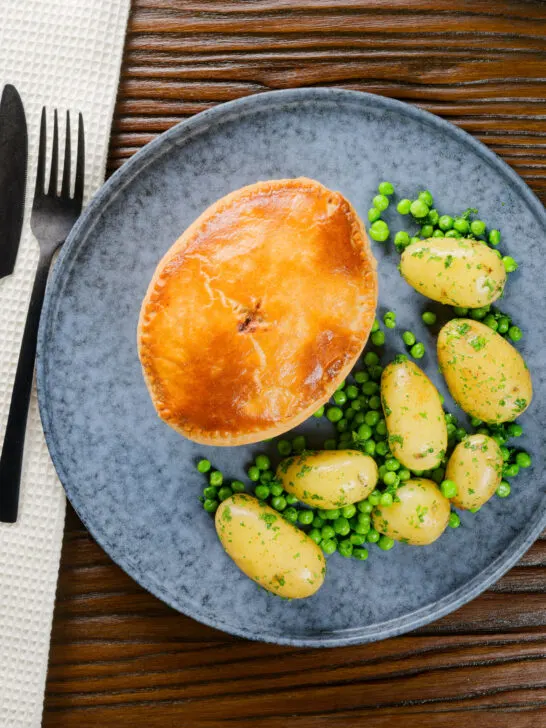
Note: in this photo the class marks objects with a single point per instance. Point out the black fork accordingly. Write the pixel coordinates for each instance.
(53, 215)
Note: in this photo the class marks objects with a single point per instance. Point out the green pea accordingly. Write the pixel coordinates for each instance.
(433, 217)
(438, 234)
(515, 333)
(375, 326)
(334, 414)
(491, 321)
(390, 479)
(327, 532)
(461, 224)
(363, 519)
(419, 208)
(330, 444)
(378, 338)
(445, 222)
(404, 475)
(449, 488)
(276, 489)
(224, 493)
(315, 534)
(460, 433)
(375, 371)
(372, 418)
(429, 318)
(494, 237)
(454, 520)
(318, 522)
(381, 448)
(404, 206)
(371, 358)
(510, 264)
(503, 325)
(332, 514)
(360, 554)
(415, 239)
(381, 428)
(374, 497)
(385, 543)
(426, 197)
(510, 471)
(319, 412)
(299, 443)
(381, 471)
(357, 539)
(504, 489)
(402, 239)
(329, 546)
(262, 492)
(515, 430)
(364, 506)
(342, 425)
(379, 231)
(278, 503)
(341, 526)
(350, 413)
(385, 188)
(453, 234)
(408, 338)
(523, 459)
(305, 517)
(351, 392)
(262, 462)
(345, 549)
(291, 499)
(340, 397)
(460, 311)
(374, 214)
(374, 403)
(210, 505)
(426, 231)
(392, 464)
(479, 313)
(216, 478)
(369, 388)
(381, 202)
(477, 227)
(359, 419)
(237, 486)
(505, 452)
(386, 499)
(361, 377)
(253, 473)
(372, 536)
(203, 466)
(390, 323)
(290, 514)
(418, 350)
(369, 447)
(284, 447)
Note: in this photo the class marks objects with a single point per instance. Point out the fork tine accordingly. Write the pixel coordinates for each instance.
(80, 164)
(40, 173)
(65, 190)
(54, 159)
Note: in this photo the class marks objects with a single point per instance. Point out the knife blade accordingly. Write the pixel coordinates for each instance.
(13, 176)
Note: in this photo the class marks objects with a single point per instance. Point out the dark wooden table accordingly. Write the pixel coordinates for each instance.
(119, 657)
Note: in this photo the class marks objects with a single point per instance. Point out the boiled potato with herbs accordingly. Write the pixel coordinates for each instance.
(268, 549)
(414, 416)
(475, 466)
(418, 517)
(485, 374)
(455, 271)
(329, 478)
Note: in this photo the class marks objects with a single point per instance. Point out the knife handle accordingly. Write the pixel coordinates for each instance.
(11, 460)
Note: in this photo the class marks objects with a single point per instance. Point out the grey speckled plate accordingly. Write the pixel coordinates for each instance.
(132, 479)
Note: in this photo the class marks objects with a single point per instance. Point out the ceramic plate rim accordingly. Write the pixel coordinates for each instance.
(101, 200)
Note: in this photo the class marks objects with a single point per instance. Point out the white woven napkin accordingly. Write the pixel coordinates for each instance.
(64, 54)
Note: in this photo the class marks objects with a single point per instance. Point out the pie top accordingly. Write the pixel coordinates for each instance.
(257, 312)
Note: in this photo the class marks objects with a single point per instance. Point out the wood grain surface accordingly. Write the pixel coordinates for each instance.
(119, 657)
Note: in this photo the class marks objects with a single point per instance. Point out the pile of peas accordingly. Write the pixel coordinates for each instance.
(356, 415)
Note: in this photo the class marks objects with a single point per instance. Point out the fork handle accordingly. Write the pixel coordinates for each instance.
(11, 460)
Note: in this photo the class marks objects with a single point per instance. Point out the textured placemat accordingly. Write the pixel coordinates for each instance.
(64, 54)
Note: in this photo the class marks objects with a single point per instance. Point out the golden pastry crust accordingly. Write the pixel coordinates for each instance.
(257, 312)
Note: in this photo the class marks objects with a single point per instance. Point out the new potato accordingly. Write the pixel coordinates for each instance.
(414, 416)
(418, 518)
(458, 272)
(475, 466)
(329, 478)
(485, 374)
(268, 549)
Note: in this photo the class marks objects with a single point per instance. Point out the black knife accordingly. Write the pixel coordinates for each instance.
(13, 176)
